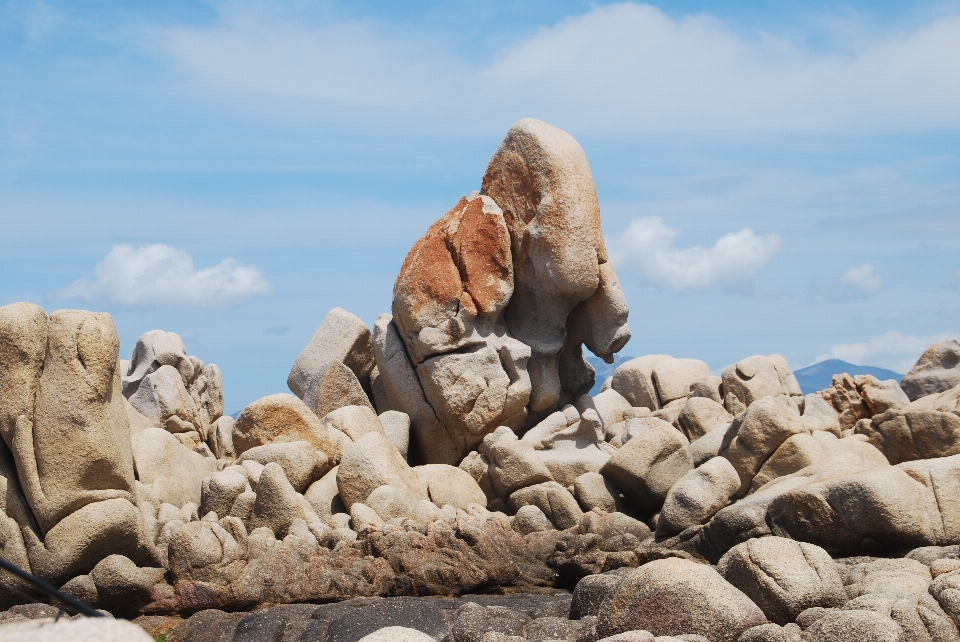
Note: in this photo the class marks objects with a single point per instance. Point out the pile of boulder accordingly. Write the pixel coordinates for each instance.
(455, 448)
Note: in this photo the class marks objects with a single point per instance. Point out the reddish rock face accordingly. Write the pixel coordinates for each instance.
(455, 281)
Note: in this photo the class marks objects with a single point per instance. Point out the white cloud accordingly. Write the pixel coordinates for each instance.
(647, 247)
(863, 278)
(617, 69)
(893, 350)
(161, 275)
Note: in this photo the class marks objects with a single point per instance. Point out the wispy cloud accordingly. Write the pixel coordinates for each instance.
(893, 350)
(622, 68)
(165, 276)
(647, 247)
(863, 278)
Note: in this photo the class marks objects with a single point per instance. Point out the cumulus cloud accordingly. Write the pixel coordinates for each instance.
(862, 277)
(647, 247)
(616, 69)
(162, 275)
(893, 350)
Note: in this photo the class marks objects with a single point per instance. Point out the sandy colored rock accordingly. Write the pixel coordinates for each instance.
(906, 435)
(783, 577)
(819, 415)
(701, 415)
(220, 491)
(757, 377)
(278, 418)
(23, 342)
(450, 485)
(595, 492)
(674, 597)
(554, 500)
(301, 462)
(80, 630)
(697, 496)
(153, 350)
(173, 472)
(353, 421)
(221, 438)
(404, 393)
(334, 386)
(754, 437)
(342, 337)
(634, 380)
(647, 466)
(396, 634)
(324, 495)
(541, 179)
(576, 450)
(514, 464)
(162, 398)
(674, 378)
(396, 426)
(371, 462)
(854, 626)
(937, 370)
(278, 503)
(530, 519)
(710, 387)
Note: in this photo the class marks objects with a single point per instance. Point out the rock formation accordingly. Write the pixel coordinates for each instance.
(454, 449)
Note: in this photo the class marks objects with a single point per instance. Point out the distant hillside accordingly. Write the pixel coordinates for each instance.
(819, 375)
(604, 370)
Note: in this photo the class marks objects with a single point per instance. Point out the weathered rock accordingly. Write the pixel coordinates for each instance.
(773, 633)
(173, 472)
(353, 421)
(855, 626)
(162, 398)
(371, 462)
(594, 491)
(708, 446)
(757, 377)
(783, 577)
(450, 485)
(432, 439)
(844, 395)
(757, 434)
(590, 593)
(818, 448)
(278, 504)
(153, 350)
(278, 418)
(937, 370)
(221, 438)
(819, 415)
(906, 435)
(609, 405)
(851, 513)
(396, 634)
(514, 464)
(221, 490)
(647, 466)
(80, 630)
(917, 614)
(122, 587)
(941, 480)
(334, 386)
(674, 597)
(710, 387)
(674, 378)
(869, 576)
(576, 450)
(634, 380)
(342, 337)
(324, 495)
(301, 462)
(396, 426)
(554, 500)
(697, 496)
(701, 415)
(530, 519)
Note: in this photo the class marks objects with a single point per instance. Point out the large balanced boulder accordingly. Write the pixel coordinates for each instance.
(783, 577)
(937, 370)
(342, 337)
(697, 496)
(757, 377)
(648, 465)
(371, 462)
(675, 596)
(279, 418)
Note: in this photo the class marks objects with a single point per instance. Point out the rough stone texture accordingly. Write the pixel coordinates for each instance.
(342, 337)
(906, 435)
(701, 415)
(845, 397)
(757, 377)
(697, 496)
(541, 179)
(591, 591)
(173, 472)
(153, 350)
(851, 513)
(708, 446)
(530, 519)
(396, 634)
(855, 626)
(450, 485)
(324, 495)
(783, 577)
(752, 438)
(937, 370)
(221, 438)
(79, 630)
(674, 378)
(578, 449)
(917, 614)
(554, 500)
(278, 418)
(220, 491)
(370, 462)
(432, 439)
(594, 491)
(648, 465)
(634, 380)
(514, 464)
(675, 596)
(301, 462)
(396, 426)
(162, 398)
(819, 415)
(353, 421)
(334, 386)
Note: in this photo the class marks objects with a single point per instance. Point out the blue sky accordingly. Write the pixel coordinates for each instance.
(773, 177)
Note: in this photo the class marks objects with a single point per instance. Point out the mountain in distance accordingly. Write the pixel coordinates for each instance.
(819, 375)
